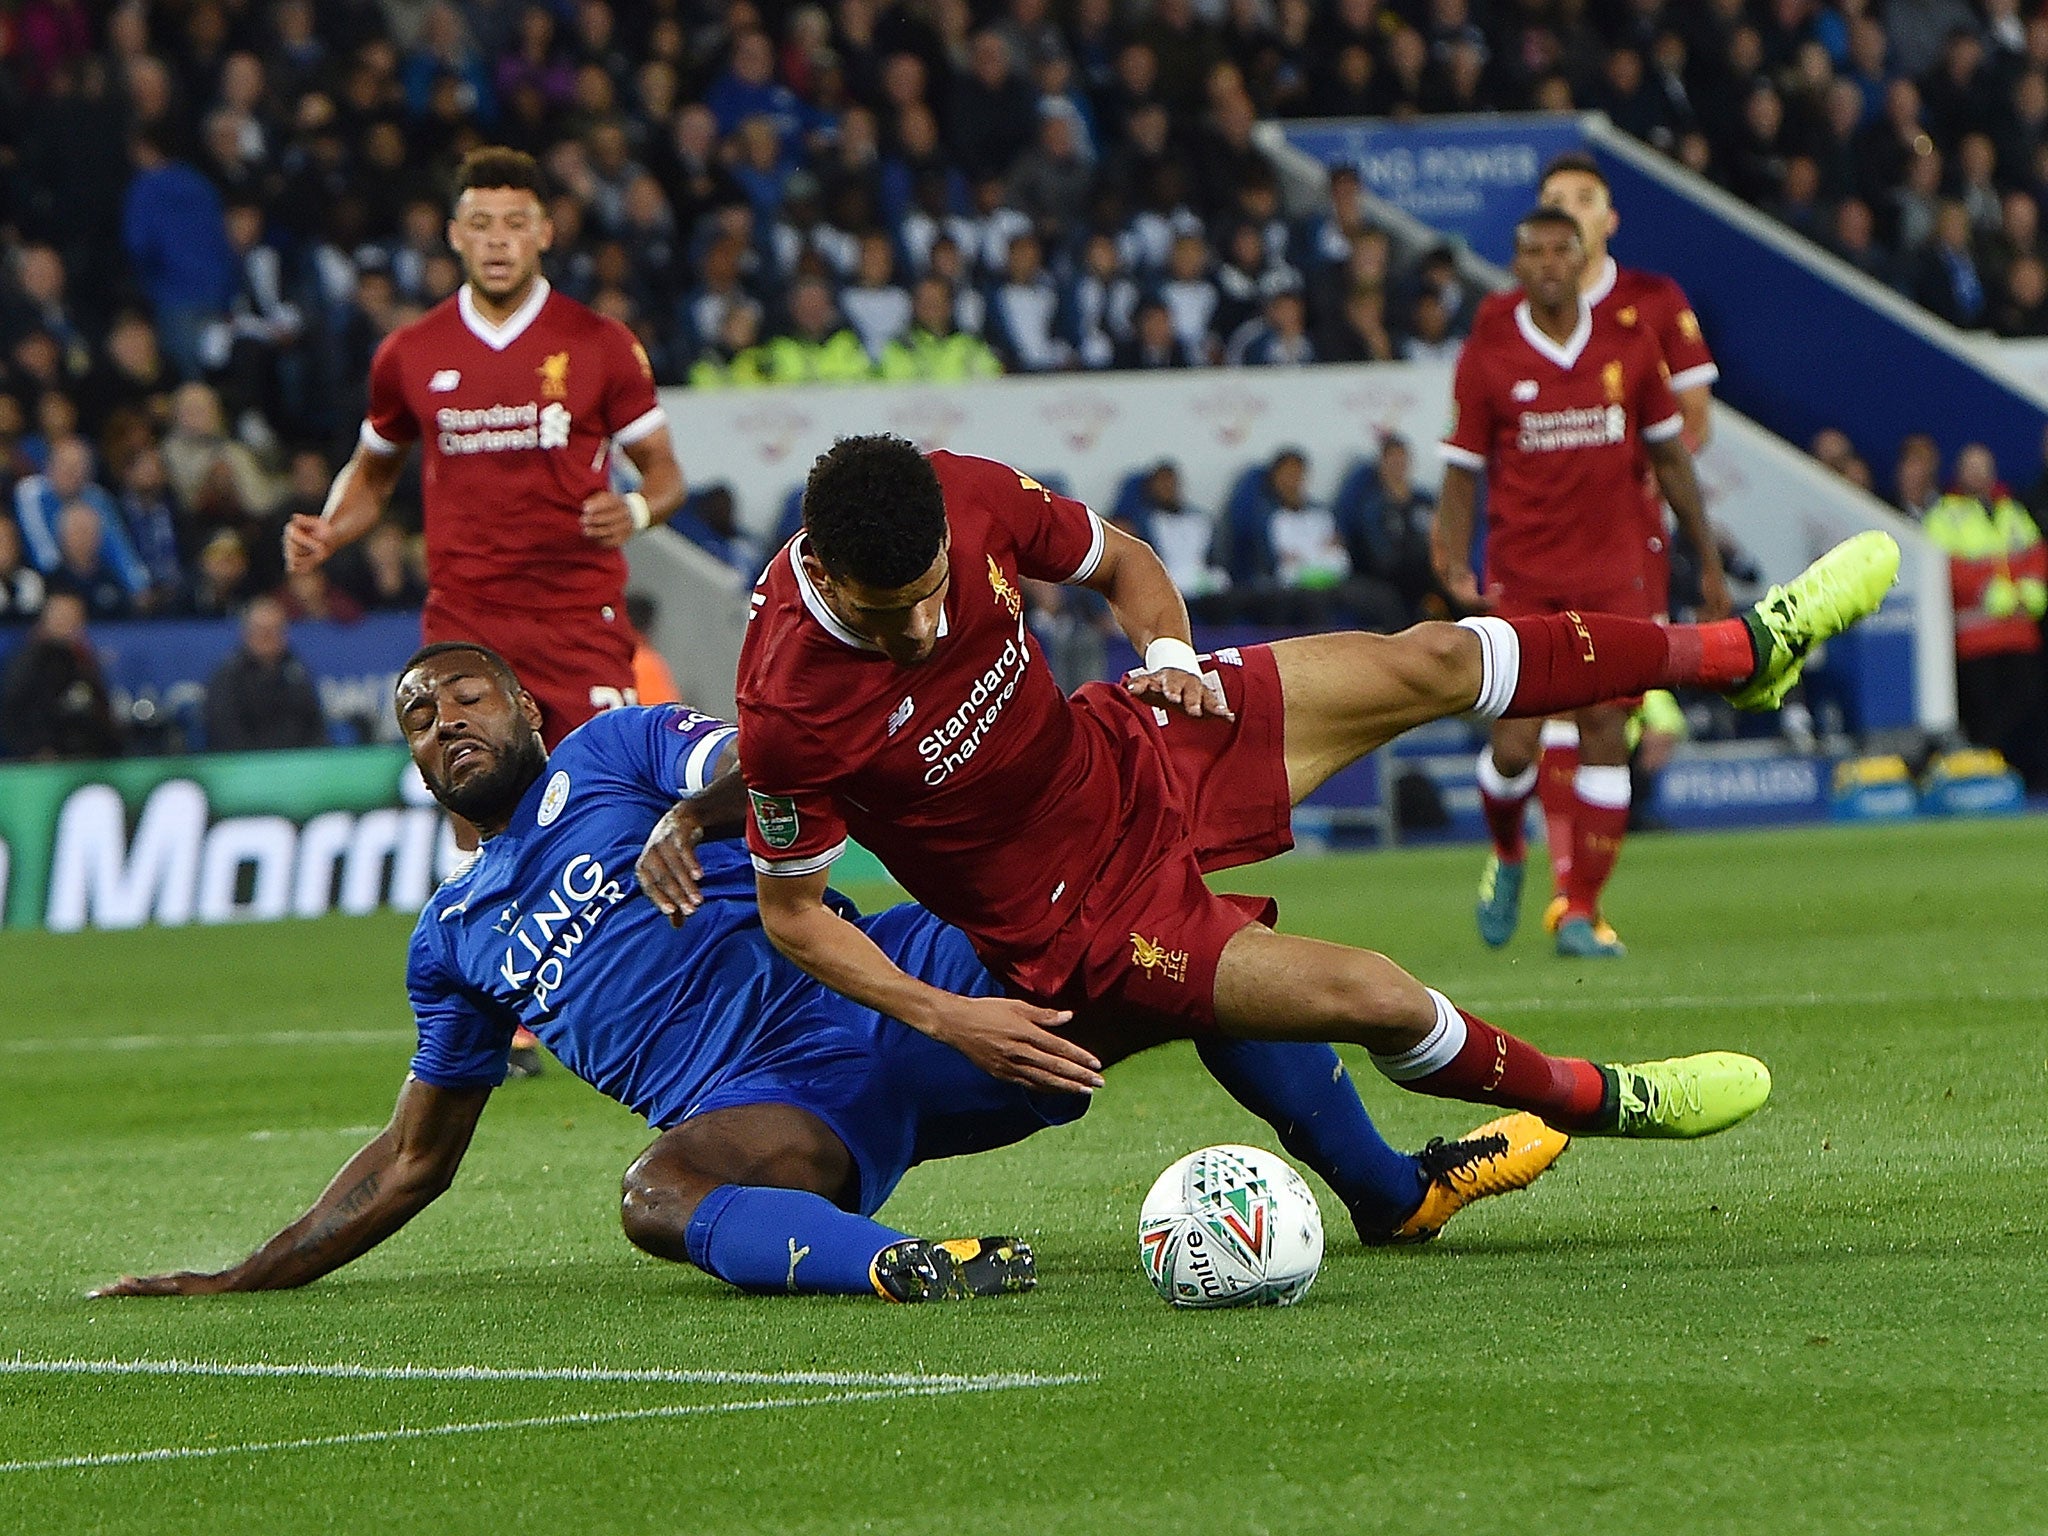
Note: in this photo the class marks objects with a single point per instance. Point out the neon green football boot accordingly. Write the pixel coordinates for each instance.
(1686, 1096)
(1843, 585)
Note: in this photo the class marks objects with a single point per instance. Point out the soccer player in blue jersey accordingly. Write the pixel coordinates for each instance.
(787, 1113)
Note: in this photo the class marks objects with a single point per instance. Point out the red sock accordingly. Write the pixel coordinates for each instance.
(1598, 828)
(1503, 801)
(1556, 770)
(1569, 660)
(1467, 1058)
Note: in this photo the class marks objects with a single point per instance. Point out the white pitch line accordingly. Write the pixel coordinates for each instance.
(346, 1371)
(274, 1037)
(1735, 1001)
(546, 1421)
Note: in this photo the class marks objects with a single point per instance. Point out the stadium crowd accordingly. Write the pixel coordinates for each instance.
(212, 211)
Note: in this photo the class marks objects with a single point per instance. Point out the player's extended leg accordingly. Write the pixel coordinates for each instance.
(1599, 822)
(1281, 986)
(748, 1194)
(1507, 776)
(1346, 694)
(1557, 770)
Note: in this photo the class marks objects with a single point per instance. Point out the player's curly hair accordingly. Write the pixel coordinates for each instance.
(874, 511)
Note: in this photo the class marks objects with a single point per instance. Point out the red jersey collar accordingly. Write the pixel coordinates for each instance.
(499, 337)
(822, 612)
(1566, 356)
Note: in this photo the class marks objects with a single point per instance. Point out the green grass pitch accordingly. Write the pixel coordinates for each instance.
(1830, 1319)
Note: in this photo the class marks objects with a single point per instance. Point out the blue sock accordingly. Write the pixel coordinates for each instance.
(1305, 1094)
(784, 1240)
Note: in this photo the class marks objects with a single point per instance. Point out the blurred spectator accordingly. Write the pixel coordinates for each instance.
(217, 479)
(1832, 447)
(709, 518)
(40, 502)
(1182, 534)
(262, 697)
(1153, 342)
(21, 584)
(128, 379)
(932, 351)
(1949, 281)
(222, 585)
(1998, 578)
(1023, 312)
(1387, 533)
(313, 596)
(1277, 338)
(877, 308)
(153, 530)
(815, 348)
(53, 700)
(387, 576)
(1916, 478)
(176, 234)
(82, 565)
(38, 303)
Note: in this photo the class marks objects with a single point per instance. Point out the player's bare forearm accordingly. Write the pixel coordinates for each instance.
(1696, 411)
(1681, 487)
(355, 502)
(1450, 535)
(1006, 1037)
(396, 1175)
(1149, 609)
(661, 474)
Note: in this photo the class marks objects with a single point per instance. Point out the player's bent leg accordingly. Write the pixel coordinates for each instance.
(1279, 986)
(748, 1194)
(1346, 694)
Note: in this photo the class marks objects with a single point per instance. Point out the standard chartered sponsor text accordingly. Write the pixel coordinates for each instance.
(1587, 426)
(948, 745)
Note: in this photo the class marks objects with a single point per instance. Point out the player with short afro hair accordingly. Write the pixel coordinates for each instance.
(874, 511)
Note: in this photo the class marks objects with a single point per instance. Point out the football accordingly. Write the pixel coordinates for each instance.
(1231, 1226)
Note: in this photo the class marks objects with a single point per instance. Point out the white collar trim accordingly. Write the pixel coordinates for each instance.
(499, 337)
(822, 612)
(1603, 285)
(1565, 356)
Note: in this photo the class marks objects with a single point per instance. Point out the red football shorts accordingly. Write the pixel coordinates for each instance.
(1154, 947)
(575, 662)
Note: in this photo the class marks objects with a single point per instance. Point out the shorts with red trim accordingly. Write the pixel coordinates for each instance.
(1156, 930)
(575, 662)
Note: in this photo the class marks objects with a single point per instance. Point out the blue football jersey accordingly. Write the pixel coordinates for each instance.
(549, 928)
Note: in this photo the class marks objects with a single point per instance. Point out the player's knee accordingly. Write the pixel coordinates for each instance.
(656, 1201)
(1439, 660)
(1371, 1002)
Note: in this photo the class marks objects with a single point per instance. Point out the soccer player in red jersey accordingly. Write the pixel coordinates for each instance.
(1559, 404)
(1575, 183)
(518, 396)
(890, 690)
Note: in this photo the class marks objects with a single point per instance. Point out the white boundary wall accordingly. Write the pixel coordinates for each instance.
(1092, 430)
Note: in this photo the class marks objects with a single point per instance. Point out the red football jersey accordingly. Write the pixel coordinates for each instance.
(994, 801)
(1557, 428)
(515, 423)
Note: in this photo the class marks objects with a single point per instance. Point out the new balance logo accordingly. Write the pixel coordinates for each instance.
(900, 715)
(443, 381)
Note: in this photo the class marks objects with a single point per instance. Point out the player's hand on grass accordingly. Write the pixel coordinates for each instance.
(1015, 1041)
(184, 1283)
(607, 520)
(667, 867)
(1172, 688)
(308, 541)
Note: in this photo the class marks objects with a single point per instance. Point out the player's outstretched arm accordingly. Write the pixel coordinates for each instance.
(354, 503)
(395, 1177)
(1675, 477)
(1004, 1036)
(1450, 537)
(667, 867)
(1151, 612)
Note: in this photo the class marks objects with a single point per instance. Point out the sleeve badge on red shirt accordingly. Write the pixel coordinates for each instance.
(776, 816)
(1626, 316)
(1688, 325)
(1611, 380)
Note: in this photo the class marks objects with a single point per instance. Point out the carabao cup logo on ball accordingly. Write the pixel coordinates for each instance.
(1230, 1226)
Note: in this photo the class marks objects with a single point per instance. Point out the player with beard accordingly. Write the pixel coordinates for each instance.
(518, 396)
(787, 1114)
(891, 691)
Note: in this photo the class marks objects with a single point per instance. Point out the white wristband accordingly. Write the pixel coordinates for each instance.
(1168, 653)
(637, 505)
